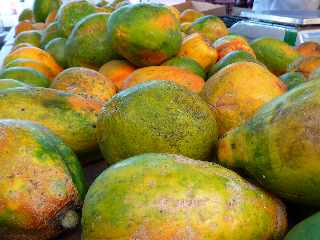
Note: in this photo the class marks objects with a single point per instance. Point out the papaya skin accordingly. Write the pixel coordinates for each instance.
(309, 49)
(279, 146)
(11, 83)
(56, 48)
(237, 91)
(32, 37)
(41, 181)
(42, 8)
(165, 197)
(51, 32)
(181, 77)
(36, 54)
(144, 34)
(156, 116)
(305, 65)
(23, 26)
(190, 15)
(69, 116)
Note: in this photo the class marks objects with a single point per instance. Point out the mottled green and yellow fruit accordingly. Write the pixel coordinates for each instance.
(308, 49)
(26, 14)
(32, 37)
(69, 116)
(72, 12)
(275, 54)
(293, 79)
(156, 116)
(86, 82)
(166, 196)
(42, 8)
(88, 45)
(305, 65)
(145, 34)
(11, 83)
(42, 184)
(23, 26)
(51, 32)
(280, 146)
(190, 15)
(56, 48)
(211, 27)
(237, 91)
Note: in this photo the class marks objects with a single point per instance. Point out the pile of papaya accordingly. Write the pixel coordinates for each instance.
(205, 135)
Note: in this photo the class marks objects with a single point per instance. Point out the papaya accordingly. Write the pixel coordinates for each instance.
(20, 45)
(51, 32)
(308, 229)
(27, 75)
(232, 57)
(23, 26)
(51, 17)
(71, 12)
(232, 43)
(181, 77)
(293, 79)
(195, 46)
(36, 65)
(275, 54)
(42, 184)
(279, 147)
(309, 49)
(32, 37)
(166, 196)
(175, 12)
(104, 10)
(39, 26)
(305, 65)
(156, 116)
(84, 81)
(71, 117)
(237, 91)
(26, 14)
(117, 71)
(145, 34)
(211, 27)
(314, 75)
(11, 83)
(42, 8)
(190, 15)
(188, 64)
(35, 54)
(88, 45)
(185, 26)
(56, 48)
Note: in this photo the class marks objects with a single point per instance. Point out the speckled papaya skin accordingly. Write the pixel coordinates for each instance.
(41, 179)
(51, 32)
(69, 116)
(145, 34)
(88, 45)
(32, 37)
(165, 197)
(156, 116)
(280, 146)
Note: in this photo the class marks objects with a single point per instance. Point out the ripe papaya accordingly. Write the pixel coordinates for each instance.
(42, 8)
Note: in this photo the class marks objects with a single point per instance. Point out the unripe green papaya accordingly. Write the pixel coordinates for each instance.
(71, 117)
(166, 197)
(41, 185)
(11, 83)
(280, 146)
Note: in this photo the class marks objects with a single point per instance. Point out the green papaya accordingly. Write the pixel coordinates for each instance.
(42, 184)
(280, 146)
(71, 117)
(51, 32)
(293, 79)
(56, 48)
(26, 14)
(165, 196)
(42, 8)
(11, 83)
(32, 37)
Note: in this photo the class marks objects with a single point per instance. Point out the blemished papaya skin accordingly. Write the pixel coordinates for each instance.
(308, 229)
(71, 12)
(145, 34)
(181, 77)
(51, 17)
(166, 196)
(314, 75)
(71, 117)
(51, 32)
(27, 75)
(26, 14)
(196, 47)
(211, 27)
(156, 116)
(117, 71)
(35, 54)
(275, 54)
(88, 45)
(32, 37)
(11, 83)
(56, 48)
(42, 182)
(85, 82)
(237, 91)
(305, 65)
(232, 57)
(308, 49)
(39, 26)
(23, 26)
(293, 79)
(42, 8)
(190, 15)
(38, 66)
(188, 64)
(280, 146)
(20, 45)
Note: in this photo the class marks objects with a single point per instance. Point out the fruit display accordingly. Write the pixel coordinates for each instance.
(144, 121)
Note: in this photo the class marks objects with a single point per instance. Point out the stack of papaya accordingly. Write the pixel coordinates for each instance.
(205, 135)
